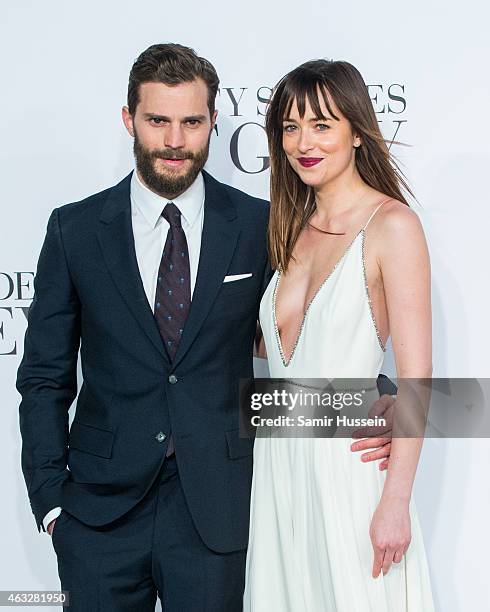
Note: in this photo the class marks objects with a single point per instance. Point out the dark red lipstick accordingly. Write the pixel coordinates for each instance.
(308, 162)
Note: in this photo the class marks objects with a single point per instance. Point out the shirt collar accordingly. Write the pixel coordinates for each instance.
(151, 205)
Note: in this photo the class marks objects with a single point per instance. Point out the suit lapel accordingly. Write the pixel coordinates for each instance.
(115, 235)
(219, 237)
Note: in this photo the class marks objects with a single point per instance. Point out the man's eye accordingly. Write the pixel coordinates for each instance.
(156, 120)
(193, 122)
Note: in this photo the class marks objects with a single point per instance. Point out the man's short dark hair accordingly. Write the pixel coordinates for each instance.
(171, 64)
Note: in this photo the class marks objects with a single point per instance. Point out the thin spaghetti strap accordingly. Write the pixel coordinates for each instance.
(375, 211)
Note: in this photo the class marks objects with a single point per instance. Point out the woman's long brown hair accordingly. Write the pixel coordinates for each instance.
(293, 202)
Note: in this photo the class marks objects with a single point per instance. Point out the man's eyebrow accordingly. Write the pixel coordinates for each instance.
(195, 118)
(165, 118)
(155, 116)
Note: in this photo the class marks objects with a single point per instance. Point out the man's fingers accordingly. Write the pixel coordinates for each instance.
(381, 405)
(380, 453)
(373, 431)
(383, 465)
(368, 443)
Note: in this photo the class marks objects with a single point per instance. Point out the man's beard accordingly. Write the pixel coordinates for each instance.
(168, 183)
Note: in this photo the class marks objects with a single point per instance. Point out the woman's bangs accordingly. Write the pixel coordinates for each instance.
(301, 89)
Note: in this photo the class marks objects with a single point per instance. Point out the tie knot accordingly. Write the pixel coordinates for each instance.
(172, 214)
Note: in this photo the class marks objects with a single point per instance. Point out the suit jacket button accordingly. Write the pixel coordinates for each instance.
(160, 437)
(172, 379)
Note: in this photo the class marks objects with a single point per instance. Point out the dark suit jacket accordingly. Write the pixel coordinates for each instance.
(88, 289)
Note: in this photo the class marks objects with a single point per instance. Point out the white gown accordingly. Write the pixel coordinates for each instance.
(313, 499)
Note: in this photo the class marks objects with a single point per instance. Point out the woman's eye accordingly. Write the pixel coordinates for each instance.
(322, 126)
(289, 128)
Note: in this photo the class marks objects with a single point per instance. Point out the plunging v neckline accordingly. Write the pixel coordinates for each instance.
(303, 320)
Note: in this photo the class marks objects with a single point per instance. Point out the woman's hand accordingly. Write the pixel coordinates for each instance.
(390, 534)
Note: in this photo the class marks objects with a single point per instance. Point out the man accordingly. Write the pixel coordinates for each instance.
(159, 279)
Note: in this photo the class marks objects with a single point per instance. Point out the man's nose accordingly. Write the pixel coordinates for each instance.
(174, 137)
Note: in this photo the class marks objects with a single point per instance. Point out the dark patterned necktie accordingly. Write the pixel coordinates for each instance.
(173, 295)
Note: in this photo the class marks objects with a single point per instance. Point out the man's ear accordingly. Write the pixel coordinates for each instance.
(213, 119)
(128, 120)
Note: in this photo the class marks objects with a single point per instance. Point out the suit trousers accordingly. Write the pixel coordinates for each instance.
(152, 551)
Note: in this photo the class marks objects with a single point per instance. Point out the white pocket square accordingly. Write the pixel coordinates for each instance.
(235, 277)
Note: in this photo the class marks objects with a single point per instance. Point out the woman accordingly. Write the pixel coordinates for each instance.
(327, 532)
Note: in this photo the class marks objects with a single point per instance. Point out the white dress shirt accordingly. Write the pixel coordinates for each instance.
(150, 233)
(150, 229)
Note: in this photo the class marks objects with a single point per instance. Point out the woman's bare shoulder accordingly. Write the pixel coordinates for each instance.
(396, 228)
(395, 216)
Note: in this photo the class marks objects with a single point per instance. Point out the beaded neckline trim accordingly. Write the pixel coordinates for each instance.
(378, 335)
(285, 361)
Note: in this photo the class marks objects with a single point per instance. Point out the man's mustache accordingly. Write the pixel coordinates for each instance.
(169, 154)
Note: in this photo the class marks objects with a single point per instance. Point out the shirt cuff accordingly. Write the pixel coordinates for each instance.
(52, 514)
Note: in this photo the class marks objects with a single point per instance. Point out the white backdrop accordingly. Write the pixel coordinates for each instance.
(64, 71)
